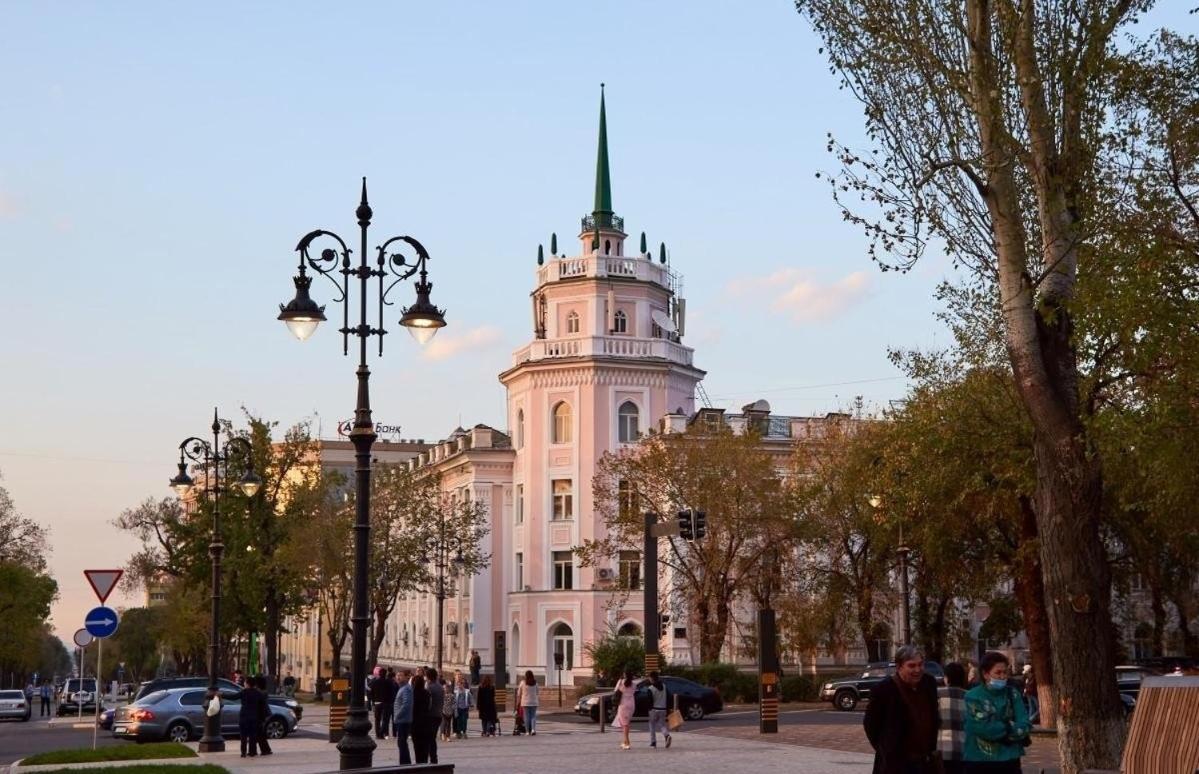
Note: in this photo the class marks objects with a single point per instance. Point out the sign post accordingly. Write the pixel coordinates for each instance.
(100, 623)
(768, 674)
(83, 638)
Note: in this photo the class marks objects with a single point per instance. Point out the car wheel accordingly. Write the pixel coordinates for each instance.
(693, 711)
(275, 728)
(179, 732)
(845, 700)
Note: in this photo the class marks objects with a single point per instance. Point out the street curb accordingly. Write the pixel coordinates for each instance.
(14, 767)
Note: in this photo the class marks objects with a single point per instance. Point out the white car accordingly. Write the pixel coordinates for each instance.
(13, 704)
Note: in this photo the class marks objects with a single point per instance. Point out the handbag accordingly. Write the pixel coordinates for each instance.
(674, 721)
(214, 707)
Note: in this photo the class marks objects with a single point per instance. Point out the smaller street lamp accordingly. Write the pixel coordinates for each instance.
(903, 551)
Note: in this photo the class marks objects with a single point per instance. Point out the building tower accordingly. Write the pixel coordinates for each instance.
(606, 362)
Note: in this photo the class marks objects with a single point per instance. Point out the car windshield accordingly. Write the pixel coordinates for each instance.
(876, 672)
(89, 684)
(12, 694)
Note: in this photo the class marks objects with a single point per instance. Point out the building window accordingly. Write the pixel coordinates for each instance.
(629, 419)
(518, 572)
(572, 322)
(563, 570)
(630, 570)
(626, 500)
(562, 423)
(564, 500)
(520, 504)
(620, 322)
(520, 428)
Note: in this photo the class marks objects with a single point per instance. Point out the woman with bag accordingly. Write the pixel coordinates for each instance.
(997, 724)
(657, 714)
(626, 689)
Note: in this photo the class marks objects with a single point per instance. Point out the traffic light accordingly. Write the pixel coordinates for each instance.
(700, 524)
(685, 525)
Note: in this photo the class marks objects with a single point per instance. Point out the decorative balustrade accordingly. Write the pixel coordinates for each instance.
(588, 223)
(600, 266)
(604, 346)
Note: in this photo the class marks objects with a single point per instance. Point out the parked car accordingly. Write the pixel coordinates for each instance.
(177, 714)
(223, 685)
(77, 695)
(848, 693)
(13, 704)
(695, 701)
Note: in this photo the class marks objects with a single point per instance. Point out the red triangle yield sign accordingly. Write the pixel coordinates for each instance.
(103, 582)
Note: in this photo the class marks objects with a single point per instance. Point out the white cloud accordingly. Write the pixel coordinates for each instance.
(802, 297)
(447, 345)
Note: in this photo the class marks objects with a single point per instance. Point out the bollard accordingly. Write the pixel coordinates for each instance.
(602, 714)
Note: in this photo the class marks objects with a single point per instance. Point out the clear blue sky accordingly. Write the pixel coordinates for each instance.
(158, 163)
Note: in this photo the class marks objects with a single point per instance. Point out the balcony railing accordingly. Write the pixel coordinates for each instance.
(589, 223)
(604, 346)
(631, 267)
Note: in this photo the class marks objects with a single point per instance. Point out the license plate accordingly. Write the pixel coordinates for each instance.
(120, 729)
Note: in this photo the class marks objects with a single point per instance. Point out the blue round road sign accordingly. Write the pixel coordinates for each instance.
(101, 622)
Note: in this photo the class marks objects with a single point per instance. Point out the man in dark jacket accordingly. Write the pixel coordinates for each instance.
(249, 717)
(379, 695)
(902, 718)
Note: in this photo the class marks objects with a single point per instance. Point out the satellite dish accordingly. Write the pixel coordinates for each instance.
(663, 321)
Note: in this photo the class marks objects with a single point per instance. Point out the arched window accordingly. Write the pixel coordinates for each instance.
(620, 322)
(630, 629)
(520, 428)
(562, 641)
(572, 322)
(629, 422)
(562, 423)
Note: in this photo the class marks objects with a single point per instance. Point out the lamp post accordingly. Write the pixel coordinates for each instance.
(302, 316)
(903, 551)
(212, 456)
(438, 551)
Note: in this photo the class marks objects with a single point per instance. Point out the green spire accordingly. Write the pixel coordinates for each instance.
(603, 180)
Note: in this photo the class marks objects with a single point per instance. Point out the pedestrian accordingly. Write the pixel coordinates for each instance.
(46, 693)
(952, 701)
(401, 715)
(626, 703)
(997, 724)
(476, 666)
(264, 712)
(1029, 689)
(389, 700)
(253, 704)
(527, 700)
(289, 685)
(659, 702)
(28, 691)
(463, 701)
(448, 708)
(488, 713)
(377, 690)
(902, 718)
(436, 688)
(424, 719)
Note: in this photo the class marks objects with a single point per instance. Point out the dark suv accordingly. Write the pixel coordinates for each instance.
(845, 694)
(223, 685)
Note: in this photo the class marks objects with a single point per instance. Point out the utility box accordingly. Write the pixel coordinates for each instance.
(339, 707)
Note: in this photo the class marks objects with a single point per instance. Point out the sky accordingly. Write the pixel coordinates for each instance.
(159, 162)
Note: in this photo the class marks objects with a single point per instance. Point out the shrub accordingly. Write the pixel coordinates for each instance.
(800, 688)
(612, 654)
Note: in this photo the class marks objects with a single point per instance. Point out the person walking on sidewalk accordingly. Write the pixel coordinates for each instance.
(389, 700)
(527, 701)
(487, 706)
(401, 715)
(902, 718)
(997, 724)
(436, 688)
(253, 707)
(952, 701)
(424, 720)
(659, 704)
(625, 697)
(463, 701)
(476, 666)
(46, 694)
(378, 693)
(264, 712)
(448, 709)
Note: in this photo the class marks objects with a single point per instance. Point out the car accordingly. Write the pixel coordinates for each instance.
(694, 700)
(223, 685)
(13, 704)
(78, 696)
(848, 693)
(104, 720)
(177, 715)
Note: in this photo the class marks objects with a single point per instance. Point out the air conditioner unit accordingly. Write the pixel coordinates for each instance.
(605, 574)
(451, 627)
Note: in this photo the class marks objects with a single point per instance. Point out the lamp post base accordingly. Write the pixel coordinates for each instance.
(212, 741)
(356, 745)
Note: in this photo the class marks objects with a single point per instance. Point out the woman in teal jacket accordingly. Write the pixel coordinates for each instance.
(996, 721)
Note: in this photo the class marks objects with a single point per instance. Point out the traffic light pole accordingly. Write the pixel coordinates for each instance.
(650, 586)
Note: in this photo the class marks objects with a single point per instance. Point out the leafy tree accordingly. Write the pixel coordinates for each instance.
(728, 476)
(138, 639)
(992, 122)
(613, 653)
(25, 599)
(22, 540)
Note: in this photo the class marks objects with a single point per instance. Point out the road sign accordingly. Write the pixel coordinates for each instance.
(83, 638)
(103, 582)
(101, 622)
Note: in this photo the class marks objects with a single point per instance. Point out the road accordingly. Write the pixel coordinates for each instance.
(18, 739)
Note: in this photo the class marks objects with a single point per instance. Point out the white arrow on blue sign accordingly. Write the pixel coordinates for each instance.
(101, 622)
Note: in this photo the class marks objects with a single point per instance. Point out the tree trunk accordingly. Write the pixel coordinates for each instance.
(866, 624)
(1190, 643)
(273, 624)
(377, 635)
(1157, 604)
(1030, 593)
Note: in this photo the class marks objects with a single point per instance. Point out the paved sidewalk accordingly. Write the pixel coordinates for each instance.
(564, 747)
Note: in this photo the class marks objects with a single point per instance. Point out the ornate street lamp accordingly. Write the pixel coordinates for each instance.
(302, 316)
(212, 456)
